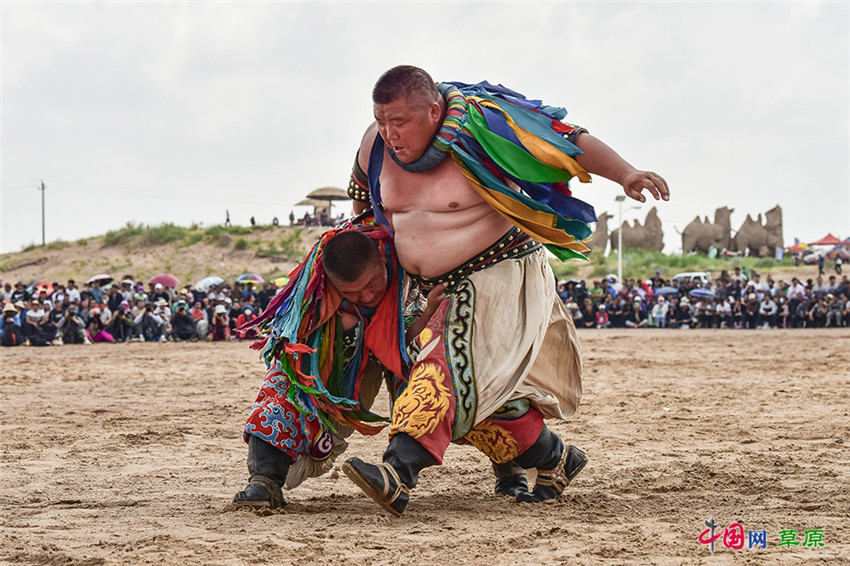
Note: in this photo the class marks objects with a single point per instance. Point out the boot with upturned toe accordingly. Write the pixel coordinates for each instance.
(510, 479)
(390, 482)
(268, 467)
(556, 466)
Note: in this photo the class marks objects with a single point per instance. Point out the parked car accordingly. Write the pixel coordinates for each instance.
(702, 276)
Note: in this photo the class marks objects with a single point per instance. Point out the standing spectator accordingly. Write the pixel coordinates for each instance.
(838, 261)
(820, 264)
(20, 293)
(72, 292)
(96, 291)
(6, 293)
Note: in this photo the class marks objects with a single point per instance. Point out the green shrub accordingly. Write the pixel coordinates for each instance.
(241, 244)
(192, 238)
(58, 245)
(122, 235)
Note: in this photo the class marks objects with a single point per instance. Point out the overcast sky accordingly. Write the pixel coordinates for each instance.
(176, 112)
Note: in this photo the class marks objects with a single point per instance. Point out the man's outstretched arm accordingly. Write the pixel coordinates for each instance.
(600, 159)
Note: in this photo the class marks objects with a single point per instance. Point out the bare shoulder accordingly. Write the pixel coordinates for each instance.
(366, 145)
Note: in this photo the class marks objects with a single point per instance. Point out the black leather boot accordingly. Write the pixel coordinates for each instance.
(268, 466)
(389, 483)
(556, 466)
(510, 479)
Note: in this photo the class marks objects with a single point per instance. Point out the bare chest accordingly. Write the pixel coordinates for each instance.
(443, 189)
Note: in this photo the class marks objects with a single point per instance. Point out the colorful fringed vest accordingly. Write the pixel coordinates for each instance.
(301, 331)
(500, 140)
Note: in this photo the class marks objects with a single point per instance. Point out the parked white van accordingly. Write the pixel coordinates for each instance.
(702, 276)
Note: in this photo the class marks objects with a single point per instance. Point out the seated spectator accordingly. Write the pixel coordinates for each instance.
(247, 316)
(704, 310)
(202, 324)
(783, 317)
(149, 326)
(71, 329)
(636, 318)
(723, 311)
(120, 325)
(35, 317)
(96, 328)
(182, 323)
(220, 326)
(768, 311)
(12, 335)
(576, 314)
(659, 312)
(164, 313)
(750, 311)
(835, 310)
(602, 320)
(800, 315)
(682, 314)
(817, 313)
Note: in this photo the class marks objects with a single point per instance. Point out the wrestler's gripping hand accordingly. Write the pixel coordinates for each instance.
(636, 181)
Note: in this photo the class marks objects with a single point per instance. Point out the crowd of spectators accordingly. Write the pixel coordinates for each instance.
(734, 300)
(128, 311)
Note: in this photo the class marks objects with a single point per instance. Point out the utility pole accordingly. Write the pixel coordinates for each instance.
(42, 210)
(619, 199)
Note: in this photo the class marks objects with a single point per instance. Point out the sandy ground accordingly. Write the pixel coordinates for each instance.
(128, 454)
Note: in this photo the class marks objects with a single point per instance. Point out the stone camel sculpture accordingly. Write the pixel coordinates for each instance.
(761, 239)
(700, 235)
(650, 236)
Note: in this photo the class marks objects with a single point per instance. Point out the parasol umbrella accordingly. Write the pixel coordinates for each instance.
(250, 278)
(165, 279)
(207, 282)
(129, 282)
(37, 288)
(702, 293)
(328, 194)
(101, 278)
(663, 291)
(281, 281)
